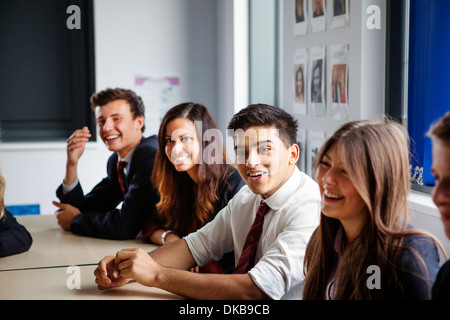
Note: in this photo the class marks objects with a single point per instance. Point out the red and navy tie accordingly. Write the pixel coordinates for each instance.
(121, 174)
(247, 259)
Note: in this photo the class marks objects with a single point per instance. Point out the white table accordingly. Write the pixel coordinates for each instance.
(53, 246)
(44, 272)
(61, 284)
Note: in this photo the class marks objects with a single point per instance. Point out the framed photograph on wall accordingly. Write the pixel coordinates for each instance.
(316, 91)
(340, 14)
(338, 82)
(300, 80)
(300, 18)
(317, 15)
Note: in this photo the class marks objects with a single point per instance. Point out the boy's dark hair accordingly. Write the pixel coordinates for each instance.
(263, 115)
(108, 95)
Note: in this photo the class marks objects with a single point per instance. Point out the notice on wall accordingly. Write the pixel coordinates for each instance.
(316, 94)
(300, 18)
(300, 76)
(159, 94)
(338, 81)
(317, 15)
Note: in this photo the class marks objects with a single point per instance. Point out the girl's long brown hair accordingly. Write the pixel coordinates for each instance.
(376, 157)
(178, 205)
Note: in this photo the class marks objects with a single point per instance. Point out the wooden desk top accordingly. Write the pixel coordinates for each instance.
(44, 272)
(61, 284)
(53, 246)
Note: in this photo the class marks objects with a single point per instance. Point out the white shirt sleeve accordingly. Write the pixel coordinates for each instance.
(279, 272)
(67, 188)
(214, 239)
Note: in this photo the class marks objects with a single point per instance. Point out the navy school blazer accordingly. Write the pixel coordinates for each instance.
(100, 216)
(441, 288)
(14, 238)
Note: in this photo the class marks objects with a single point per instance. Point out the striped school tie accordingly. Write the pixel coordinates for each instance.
(121, 174)
(247, 259)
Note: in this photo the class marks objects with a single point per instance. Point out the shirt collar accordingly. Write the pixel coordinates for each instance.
(127, 158)
(281, 196)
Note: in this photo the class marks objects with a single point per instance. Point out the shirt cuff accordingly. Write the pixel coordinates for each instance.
(67, 188)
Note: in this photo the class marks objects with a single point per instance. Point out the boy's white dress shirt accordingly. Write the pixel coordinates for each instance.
(294, 214)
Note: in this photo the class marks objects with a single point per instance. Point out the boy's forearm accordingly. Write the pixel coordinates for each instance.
(174, 254)
(204, 286)
(176, 258)
(71, 174)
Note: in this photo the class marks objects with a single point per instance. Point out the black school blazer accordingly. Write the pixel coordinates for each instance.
(99, 216)
(14, 238)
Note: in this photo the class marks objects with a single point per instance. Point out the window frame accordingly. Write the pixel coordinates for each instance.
(81, 77)
(397, 73)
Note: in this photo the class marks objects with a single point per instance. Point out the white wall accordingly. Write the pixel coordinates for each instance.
(34, 171)
(170, 37)
(225, 63)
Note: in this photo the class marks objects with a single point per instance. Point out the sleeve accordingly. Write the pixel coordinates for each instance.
(14, 238)
(105, 196)
(213, 240)
(281, 267)
(149, 229)
(67, 188)
(441, 287)
(417, 278)
(101, 219)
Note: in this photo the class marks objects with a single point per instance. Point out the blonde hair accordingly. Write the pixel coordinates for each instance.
(375, 155)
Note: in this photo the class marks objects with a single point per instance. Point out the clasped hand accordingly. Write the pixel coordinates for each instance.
(65, 214)
(128, 264)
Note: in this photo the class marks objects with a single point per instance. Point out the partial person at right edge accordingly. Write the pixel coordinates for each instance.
(120, 120)
(440, 136)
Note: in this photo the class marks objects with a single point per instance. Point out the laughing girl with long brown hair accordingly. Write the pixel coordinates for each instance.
(364, 247)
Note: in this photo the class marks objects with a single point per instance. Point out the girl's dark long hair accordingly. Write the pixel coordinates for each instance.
(178, 206)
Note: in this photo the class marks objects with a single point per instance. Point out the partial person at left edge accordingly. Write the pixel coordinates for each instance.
(14, 238)
(120, 120)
